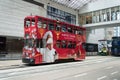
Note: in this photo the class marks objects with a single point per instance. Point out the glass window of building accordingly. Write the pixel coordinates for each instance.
(73, 19)
(113, 14)
(104, 16)
(53, 10)
(62, 13)
(97, 16)
(89, 18)
(49, 8)
(54, 13)
(82, 19)
(108, 14)
(68, 18)
(117, 31)
(101, 16)
(118, 13)
(94, 17)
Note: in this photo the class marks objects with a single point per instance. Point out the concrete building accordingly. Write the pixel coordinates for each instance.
(100, 18)
(12, 14)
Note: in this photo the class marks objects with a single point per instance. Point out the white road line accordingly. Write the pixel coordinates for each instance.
(79, 75)
(4, 79)
(12, 73)
(110, 67)
(100, 61)
(115, 79)
(100, 78)
(114, 72)
(85, 66)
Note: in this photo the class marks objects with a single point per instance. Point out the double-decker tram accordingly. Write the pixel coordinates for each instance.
(47, 40)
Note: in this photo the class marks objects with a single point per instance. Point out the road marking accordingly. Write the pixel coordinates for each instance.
(85, 66)
(114, 72)
(100, 78)
(4, 78)
(100, 61)
(12, 73)
(79, 75)
(115, 79)
(109, 67)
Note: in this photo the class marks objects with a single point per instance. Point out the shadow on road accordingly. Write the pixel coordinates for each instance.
(56, 62)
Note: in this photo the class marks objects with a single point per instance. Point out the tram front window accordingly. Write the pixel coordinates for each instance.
(33, 22)
(27, 22)
(51, 27)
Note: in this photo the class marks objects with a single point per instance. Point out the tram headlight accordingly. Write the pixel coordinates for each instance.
(31, 60)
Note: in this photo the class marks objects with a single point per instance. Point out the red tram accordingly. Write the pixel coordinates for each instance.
(47, 40)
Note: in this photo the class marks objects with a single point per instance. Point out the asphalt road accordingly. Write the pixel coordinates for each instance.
(94, 68)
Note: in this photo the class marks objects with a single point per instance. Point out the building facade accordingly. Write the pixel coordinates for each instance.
(12, 14)
(100, 18)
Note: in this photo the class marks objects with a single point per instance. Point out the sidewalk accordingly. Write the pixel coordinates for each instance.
(10, 63)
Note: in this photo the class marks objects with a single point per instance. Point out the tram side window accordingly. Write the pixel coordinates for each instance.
(33, 22)
(69, 29)
(69, 44)
(64, 45)
(64, 29)
(50, 26)
(80, 32)
(30, 43)
(84, 45)
(44, 25)
(39, 43)
(74, 45)
(58, 44)
(75, 31)
(57, 27)
(26, 42)
(27, 23)
(39, 24)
